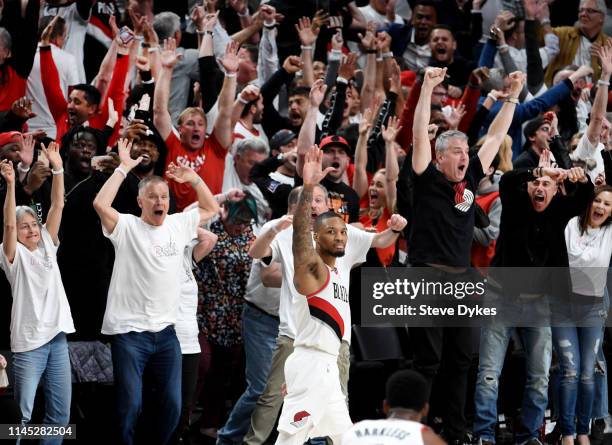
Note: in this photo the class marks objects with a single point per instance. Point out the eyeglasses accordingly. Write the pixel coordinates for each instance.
(589, 11)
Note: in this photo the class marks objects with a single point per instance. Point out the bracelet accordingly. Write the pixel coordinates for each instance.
(230, 75)
(122, 171)
(270, 25)
(22, 169)
(57, 172)
(370, 51)
(493, 98)
(245, 14)
(388, 55)
(306, 47)
(336, 51)
(605, 83)
(342, 80)
(242, 101)
(512, 100)
(153, 49)
(379, 59)
(396, 231)
(545, 22)
(504, 46)
(145, 45)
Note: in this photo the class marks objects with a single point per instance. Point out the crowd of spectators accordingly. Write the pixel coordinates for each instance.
(483, 122)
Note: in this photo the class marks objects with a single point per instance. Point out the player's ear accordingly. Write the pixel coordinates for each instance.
(386, 408)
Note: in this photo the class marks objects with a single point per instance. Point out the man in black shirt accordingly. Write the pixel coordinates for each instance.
(441, 234)
(533, 220)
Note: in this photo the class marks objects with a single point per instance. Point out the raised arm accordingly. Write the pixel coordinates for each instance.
(54, 217)
(161, 115)
(421, 156)
(206, 243)
(261, 246)
(598, 112)
(50, 76)
(360, 177)
(104, 200)
(368, 41)
(389, 134)
(310, 271)
(395, 225)
(500, 125)
(207, 203)
(224, 131)
(306, 138)
(9, 237)
(308, 38)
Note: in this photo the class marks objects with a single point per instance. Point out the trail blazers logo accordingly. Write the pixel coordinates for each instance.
(300, 419)
(468, 199)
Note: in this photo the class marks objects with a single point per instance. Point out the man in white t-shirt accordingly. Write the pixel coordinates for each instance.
(143, 296)
(381, 12)
(405, 405)
(249, 124)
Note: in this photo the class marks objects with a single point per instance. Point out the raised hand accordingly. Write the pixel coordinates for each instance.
(182, 174)
(389, 132)
(169, 57)
(455, 117)
(317, 93)
(292, 64)
(124, 147)
(210, 21)
(7, 171)
(433, 77)
(136, 129)
(365, 123)
(605, 59)
(479, 75)
(27, 149)
(149, 34)
(240, 6)
(432, 130)
(197, 17)
(113, 115)
(336, 22)
(545, 160)
(305, 31)
(249, 93)
(383, 42)
(231, 61)
(284, 222)
(517, 79)
(53, 155)
(45, 37)
(505, 20)
(348, 66)
(38, 173)
(311, 172)
(577, 174)
(234, 195)
(142, 63)
(320, 19)
(396, 222)
(369, 39)
(22, 108)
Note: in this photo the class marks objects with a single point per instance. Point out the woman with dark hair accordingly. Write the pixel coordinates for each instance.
(40, 316)
(589, 244)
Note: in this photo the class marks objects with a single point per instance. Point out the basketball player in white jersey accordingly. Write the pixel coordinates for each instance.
(405, 405)
(314, 405)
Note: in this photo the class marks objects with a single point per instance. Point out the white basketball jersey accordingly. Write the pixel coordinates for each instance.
(385, 432)
(328, 318)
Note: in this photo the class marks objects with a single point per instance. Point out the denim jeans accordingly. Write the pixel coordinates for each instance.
(160, 353)
(51, 364)
(577, 348)
(259, 332)
(538, 351)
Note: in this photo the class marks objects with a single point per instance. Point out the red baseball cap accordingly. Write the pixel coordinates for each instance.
(8, 136)
(337, 141)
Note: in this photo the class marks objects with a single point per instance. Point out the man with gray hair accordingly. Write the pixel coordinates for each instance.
(441, 236)
(575, 42)
(237, 174)
(167, 25)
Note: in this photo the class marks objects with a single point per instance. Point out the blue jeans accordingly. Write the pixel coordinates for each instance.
(160, 353)
(577, 348)
(259, 332)
(51, 364)
(538, 351)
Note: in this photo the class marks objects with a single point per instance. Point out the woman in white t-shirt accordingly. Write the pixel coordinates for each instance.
(589, 244)
(40, 315)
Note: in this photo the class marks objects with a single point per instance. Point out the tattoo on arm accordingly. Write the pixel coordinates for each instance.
(303, 250)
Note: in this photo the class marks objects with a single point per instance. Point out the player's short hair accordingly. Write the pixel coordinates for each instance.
(324, 217)
(407, 389)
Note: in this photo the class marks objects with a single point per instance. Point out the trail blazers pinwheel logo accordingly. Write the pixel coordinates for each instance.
(300, 419)
(466, 203)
